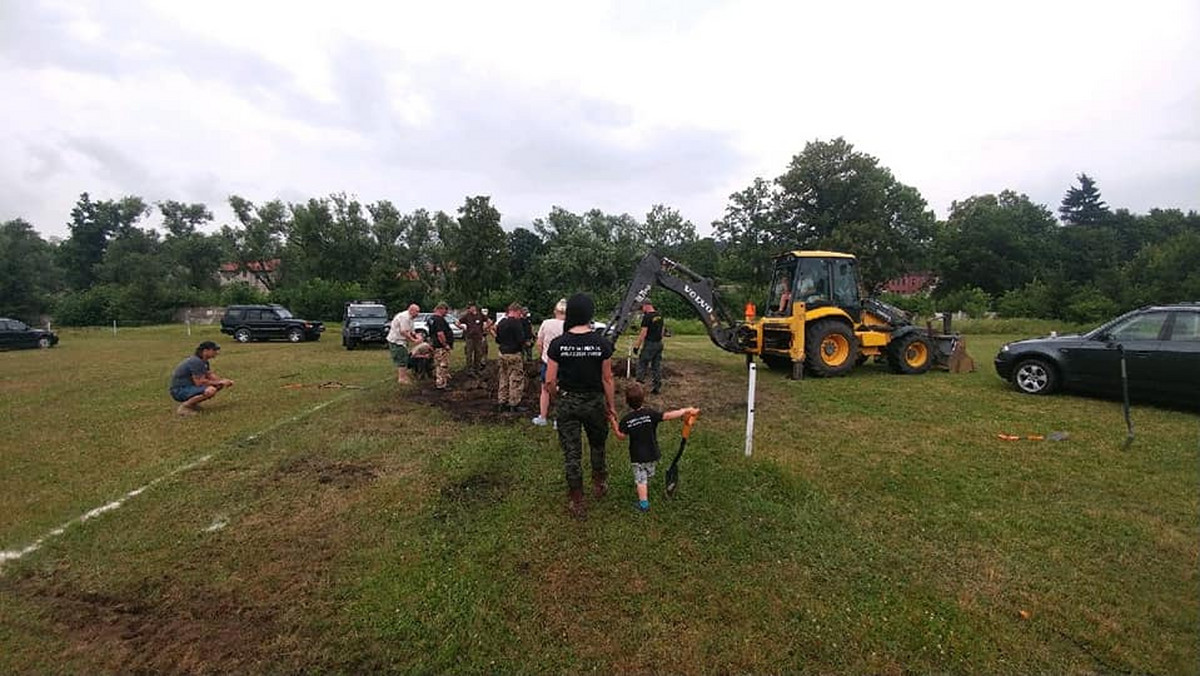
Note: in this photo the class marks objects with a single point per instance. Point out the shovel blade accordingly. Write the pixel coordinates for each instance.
(672, 480)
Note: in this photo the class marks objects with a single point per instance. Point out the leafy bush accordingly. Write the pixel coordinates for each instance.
(318, 299)
(241, 293)
(1089, 305)
(972, 300)
(686, 327)
(919, 304)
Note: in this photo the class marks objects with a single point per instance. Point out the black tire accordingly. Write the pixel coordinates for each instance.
(350, 343)
(243, 335)
(910, 354)
(295, 335)
(830, 348)
(1035, 376)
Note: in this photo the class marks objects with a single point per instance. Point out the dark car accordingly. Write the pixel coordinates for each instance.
(1161, 345)
(267, 322)
(16, 334)
(365, 321)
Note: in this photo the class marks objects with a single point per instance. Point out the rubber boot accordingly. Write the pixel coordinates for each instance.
(575, 504)
(599, 484)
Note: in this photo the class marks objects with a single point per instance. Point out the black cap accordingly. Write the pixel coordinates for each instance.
(207, 345)
(580, 310)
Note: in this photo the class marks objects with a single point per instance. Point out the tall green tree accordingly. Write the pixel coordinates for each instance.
(995, 243)
(92, 225)
(834, 197)
(257, 242)
(28, 273)
(751, 233)
(1082, 205)
(328, 239)
(478, 250)
(193, 256)
(666, 231)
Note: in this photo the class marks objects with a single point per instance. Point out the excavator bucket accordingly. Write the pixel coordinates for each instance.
(960, 361)
(951, 354)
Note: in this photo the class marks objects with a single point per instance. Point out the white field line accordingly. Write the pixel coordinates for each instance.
(7, 555)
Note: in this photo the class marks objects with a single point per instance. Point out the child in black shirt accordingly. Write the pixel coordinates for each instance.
(641, 426)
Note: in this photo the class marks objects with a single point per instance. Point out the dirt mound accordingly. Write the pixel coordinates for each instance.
(334, 473)
(472, 396)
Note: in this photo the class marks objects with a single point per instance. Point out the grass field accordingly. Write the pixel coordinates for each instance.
(880, 525)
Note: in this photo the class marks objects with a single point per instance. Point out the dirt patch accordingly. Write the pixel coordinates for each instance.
(160, 628)
(333, 473)
(472, 397)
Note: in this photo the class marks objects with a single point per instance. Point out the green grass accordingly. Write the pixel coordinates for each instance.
(880, 526)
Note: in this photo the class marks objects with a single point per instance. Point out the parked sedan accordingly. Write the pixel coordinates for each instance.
(17, 334)
(1161, 346)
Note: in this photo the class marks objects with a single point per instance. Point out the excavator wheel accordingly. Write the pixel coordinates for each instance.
(830, 348)
(910, 354)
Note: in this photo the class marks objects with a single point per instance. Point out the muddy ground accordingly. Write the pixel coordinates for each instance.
(472, 398)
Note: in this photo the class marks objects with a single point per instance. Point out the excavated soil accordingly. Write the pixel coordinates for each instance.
(472, 397)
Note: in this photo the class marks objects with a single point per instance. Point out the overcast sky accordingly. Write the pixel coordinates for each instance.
(609, 105)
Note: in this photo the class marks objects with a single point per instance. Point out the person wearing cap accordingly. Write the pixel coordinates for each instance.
(579, 373)
(442, 340)
(649, 341)
(193, 381)
(510, 338)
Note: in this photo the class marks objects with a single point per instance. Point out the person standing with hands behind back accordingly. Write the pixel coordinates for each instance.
(580, 374)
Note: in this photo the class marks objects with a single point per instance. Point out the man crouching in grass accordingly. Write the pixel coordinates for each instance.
(193, 381)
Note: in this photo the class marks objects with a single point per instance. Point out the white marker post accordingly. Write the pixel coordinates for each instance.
(114, 327)
(750, 407)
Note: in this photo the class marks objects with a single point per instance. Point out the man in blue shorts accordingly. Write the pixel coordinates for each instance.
(193, 381)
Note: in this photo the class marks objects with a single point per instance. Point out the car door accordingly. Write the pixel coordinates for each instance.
(1177, 360)
(6, 335)
(1095, 365)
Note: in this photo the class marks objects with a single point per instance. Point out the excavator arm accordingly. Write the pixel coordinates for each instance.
(698, 291)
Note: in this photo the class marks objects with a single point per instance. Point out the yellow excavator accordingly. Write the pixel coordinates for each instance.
(815, 319)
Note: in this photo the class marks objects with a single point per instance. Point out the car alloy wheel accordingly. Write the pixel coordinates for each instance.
(1033, 377)
(295, 335)
(242, 335)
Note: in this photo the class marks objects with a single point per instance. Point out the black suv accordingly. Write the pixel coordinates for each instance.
(267, 322)
(365, 321)
(1156, 347)
(15, 334)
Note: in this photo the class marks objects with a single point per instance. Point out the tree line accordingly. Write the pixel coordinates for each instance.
(129, 260)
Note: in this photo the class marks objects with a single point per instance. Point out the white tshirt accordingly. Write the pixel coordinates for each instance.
(402, 325)
(548, 331)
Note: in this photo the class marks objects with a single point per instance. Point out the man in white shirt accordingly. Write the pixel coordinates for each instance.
(400, 334)
(549, 330)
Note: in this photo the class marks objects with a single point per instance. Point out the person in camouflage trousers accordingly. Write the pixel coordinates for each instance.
(442, 339)
(579, 372)
(510, 338)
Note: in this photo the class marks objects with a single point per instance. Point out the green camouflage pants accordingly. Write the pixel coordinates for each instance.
(577, 412)
(441, 366)
(511, 378)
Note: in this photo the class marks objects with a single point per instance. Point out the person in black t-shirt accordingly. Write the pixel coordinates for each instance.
(649, 341)
(510, 338)
(641, 426)
(579, 372)
(442, 339)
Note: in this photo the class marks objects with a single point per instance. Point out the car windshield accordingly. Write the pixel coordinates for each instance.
(283, 313)
(367, 311)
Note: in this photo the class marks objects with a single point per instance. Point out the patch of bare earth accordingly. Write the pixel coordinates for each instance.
(472, 397)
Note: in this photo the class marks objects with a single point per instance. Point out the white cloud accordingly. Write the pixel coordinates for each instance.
(615, 105)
